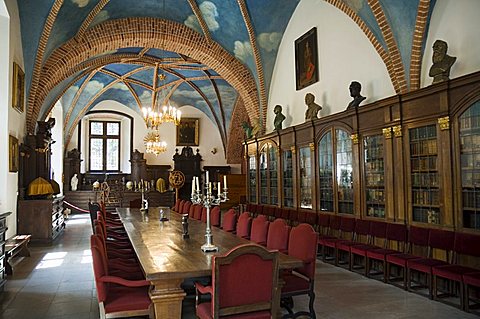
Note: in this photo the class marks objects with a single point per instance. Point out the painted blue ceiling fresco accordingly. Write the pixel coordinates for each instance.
(187, 82)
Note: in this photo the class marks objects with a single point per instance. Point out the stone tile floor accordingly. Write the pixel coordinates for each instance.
(57, 282)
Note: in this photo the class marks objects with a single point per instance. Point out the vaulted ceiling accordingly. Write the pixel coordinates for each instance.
(217, 55)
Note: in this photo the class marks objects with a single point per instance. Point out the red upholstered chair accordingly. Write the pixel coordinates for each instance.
(465, 245)
(417, 239)
(229, 221)
(244, 284)
(470, 281)
(361, 233)
(301, 217)
(288, 214)
(180, 207)
(203, 217)
(119, 297)
(277, 213)
(345, 233)
(244, 224)
(302, 244)
(259, 231)
(437, 239)
(332, 232)
(177, 205)
(186, 207)
(277, 237)
(197, 214)
(377, 230)
(215, 216)
(396, 233)
(311, 218)
(191, 211)
(258, 210)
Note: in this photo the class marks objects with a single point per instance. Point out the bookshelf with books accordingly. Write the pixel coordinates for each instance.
(288, 194)
(252, 179)
(425, 192)
(325, 165)
(374, 175)
(305, 177)
(262, 167)
(344, 161)
(272, 174)
(469, 131)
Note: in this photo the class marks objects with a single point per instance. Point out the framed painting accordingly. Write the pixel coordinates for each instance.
(18, 88)
(306, 59)
(187, 132)
(12, 153)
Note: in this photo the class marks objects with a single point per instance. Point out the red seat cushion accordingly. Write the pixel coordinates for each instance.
(346, 245)
(380, 254)
(294, 283)
(425, 264)
(452, 272)
(472, 279)
(400, 259)
(127, 299)
(361, 249)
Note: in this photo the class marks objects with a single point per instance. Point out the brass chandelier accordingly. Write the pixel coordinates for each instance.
(157, 114)
(153, 145)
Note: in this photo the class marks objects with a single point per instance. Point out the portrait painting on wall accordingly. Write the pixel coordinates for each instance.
(12, 153)
(18, 88)
(187, 132)
(306, 59)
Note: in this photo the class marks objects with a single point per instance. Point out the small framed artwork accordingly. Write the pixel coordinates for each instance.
(306, 59)
(12, 153)
(18, 88)
(187, 132)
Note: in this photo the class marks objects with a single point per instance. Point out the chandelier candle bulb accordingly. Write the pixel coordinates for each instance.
(207, 180)
(224, 181)
(218, 188)
(197, 183)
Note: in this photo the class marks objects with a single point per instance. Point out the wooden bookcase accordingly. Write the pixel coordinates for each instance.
(412, 159)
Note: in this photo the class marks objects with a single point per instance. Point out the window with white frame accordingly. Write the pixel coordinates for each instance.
(104, 146)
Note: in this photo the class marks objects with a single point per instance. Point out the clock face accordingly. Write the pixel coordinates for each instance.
(176, 179)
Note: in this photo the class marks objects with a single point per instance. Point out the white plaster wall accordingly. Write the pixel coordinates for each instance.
(457, 23)
(13, 123)
(57, 147)
(344, 55)
(209, 137)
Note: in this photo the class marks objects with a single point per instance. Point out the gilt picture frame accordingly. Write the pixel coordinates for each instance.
(187, 132)
(12, 154)
(306, 59)
(18, 88)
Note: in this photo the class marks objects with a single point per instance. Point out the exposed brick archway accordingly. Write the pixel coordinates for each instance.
(140, 32)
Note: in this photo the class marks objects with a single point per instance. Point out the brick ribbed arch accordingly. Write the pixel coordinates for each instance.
(142, 32)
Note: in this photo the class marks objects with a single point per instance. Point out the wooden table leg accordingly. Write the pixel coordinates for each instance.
(167, 297)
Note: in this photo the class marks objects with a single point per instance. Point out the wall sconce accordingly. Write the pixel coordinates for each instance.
(214, 150)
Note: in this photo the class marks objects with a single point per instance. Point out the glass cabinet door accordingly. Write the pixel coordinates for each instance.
(424, 174)
(374, 175)
(262, 166)
(344, 172)
(272, 172)
(252, 179)
(287, 179)
(470, 165)
(305, 177)
(325, 164)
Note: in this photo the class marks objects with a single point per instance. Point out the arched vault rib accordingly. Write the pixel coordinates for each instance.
(113, 34)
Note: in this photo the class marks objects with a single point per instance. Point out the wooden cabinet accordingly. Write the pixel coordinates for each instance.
(3, 258)
(43, 219)
(412, 159)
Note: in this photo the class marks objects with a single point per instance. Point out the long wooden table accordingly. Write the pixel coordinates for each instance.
(167, 259)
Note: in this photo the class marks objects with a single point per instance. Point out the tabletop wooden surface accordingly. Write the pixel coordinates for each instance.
(164, 254)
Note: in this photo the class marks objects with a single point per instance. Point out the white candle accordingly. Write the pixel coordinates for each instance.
(209, 188)
(224, 181)
(218, 188)
(208, 181)
(196, 181)
(193, 185)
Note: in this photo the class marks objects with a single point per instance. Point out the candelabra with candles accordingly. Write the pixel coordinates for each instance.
(208, 200)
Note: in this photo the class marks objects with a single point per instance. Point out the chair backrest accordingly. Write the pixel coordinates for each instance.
(441, 239)
(303, 245)
(99, 270)
(397, 232)
(301, 216)
(229, 220)
(180, 207)
(362, 227)
(467, 244)
(291, 215)
(215, 216)
(191, 211)
(244, 279)
(203, 216)
(418, 236)
(186, 207)
(177, 205)
(334, 224)
(311, 218)
(244, 224)
(198, 212)
(93, 208)
(259, 231)
(278, 233)
(378, 229)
